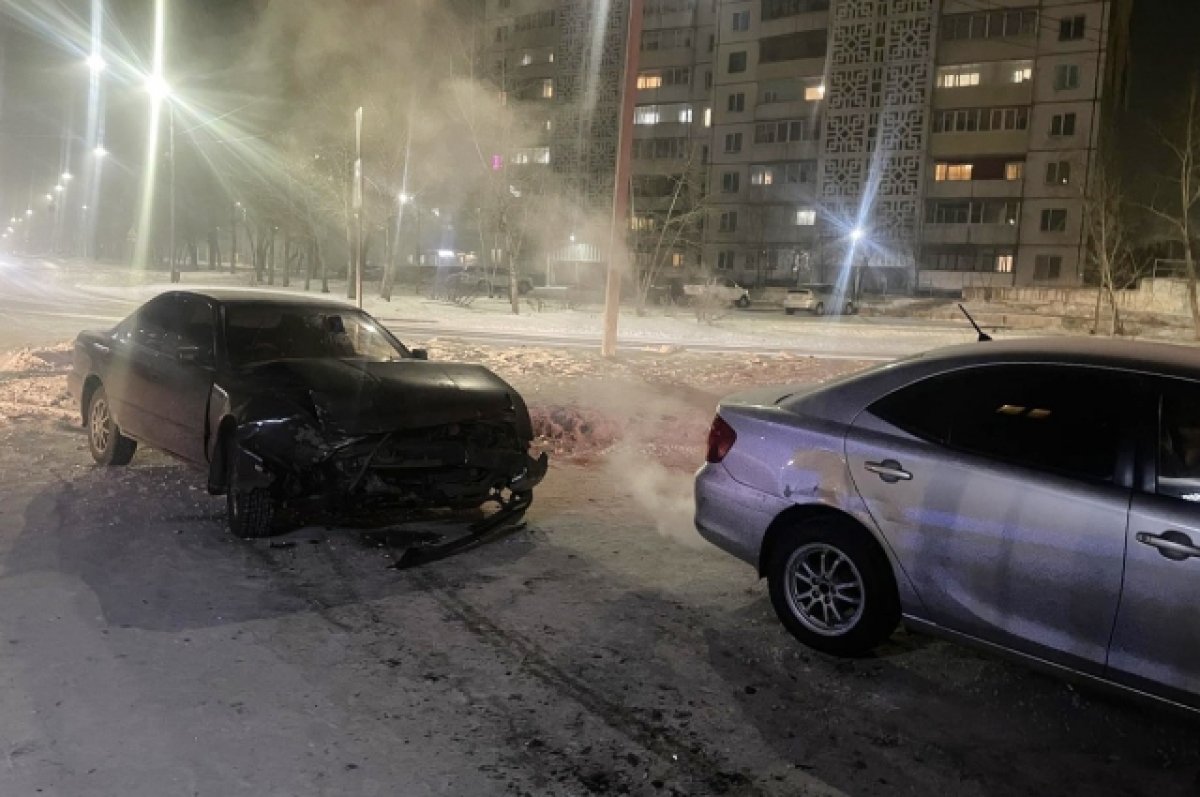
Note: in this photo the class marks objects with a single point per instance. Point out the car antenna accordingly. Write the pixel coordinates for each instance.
(983, 336)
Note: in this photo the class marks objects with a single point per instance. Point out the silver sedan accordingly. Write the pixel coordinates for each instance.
(1036, 497)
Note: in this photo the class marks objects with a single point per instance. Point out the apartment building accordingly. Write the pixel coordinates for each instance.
(926, 144)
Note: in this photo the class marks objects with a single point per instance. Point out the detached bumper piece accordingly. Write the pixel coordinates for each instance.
(510, 511)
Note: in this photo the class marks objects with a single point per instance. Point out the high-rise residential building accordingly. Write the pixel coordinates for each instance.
(939, 143)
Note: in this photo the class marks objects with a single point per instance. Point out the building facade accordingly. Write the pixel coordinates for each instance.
(928, 144)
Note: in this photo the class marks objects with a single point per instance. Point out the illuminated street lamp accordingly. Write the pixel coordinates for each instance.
(100, 151)
(28, 211)
(58, 189)
(96, 63)
(67, 176)
(857, 234)
(49, 197)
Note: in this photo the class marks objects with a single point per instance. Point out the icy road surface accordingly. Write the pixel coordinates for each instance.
(600, 650)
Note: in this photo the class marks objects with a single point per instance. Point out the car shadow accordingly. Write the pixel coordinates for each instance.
(153, 547)
(858, 723)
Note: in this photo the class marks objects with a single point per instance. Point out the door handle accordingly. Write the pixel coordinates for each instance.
(1174, 545)
(889, 470)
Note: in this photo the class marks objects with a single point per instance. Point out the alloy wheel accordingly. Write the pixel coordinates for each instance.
(825, 591)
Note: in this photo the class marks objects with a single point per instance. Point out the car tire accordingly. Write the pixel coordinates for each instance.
(789, 310)
(250, 513)
(105, 442)
(743, 302)
(819, 309)
(849, 309)
(832, 587)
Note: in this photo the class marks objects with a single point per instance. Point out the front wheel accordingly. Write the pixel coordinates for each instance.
(849, 309)
(833, 589)
(819, 309)
(105, 441)
(743, 302)
(789, 310)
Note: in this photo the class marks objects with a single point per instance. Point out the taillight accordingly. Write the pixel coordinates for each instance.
(721, 438)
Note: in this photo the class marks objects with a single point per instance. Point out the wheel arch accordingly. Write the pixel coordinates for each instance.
(85, 396)
(786, 522)
(218, 465)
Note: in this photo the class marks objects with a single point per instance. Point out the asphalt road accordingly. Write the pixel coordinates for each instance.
(147, 652)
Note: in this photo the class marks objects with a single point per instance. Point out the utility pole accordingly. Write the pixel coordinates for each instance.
(360, 249)
(233, 238)
(171, 155)
(620, 222)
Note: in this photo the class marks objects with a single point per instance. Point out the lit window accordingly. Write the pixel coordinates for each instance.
(1014, 170)
(952, 172)
(547, 88)
(814, 93)
(685, 115)
(1022, 74)
(646, 115)
(649, 80)
(761, 175)
(550, 57)
(1004, 264)
(527, 155)
(708, 117)
(549, 125)
(526, 59)
(805, 218)
(677, 259)
(953, 77)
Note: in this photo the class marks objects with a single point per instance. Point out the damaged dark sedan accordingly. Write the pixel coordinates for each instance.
(291, 400)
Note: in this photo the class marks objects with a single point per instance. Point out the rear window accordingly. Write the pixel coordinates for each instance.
(1063, 419)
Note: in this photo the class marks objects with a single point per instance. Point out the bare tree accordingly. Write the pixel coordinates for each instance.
(677, 229)
(1105, 214)
(1177, 211)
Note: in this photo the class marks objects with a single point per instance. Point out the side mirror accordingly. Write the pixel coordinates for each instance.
(419, 354)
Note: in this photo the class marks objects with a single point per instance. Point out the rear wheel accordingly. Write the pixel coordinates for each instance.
(743, 302)
(105, 441)
(849, 308)
(251, 513)
(819, 309)
(789, 310)
(833, 589)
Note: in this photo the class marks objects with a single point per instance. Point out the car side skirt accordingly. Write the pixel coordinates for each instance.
(1066, 673)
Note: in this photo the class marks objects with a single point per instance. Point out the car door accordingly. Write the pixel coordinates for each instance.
(1004, 492)
(183, 372)
(139, 400)
(1156, 642)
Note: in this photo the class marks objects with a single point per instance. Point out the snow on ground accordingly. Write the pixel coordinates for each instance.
(766, 329)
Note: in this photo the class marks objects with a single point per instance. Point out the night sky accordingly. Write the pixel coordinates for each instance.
(42, 83)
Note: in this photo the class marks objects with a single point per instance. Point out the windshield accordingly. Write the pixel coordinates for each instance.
(256, 333)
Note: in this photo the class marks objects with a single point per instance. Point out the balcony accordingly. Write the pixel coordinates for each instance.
(965, 145)
(987, 234)
(971, 189)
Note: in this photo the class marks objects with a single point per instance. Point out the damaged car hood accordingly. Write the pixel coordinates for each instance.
(357, 397)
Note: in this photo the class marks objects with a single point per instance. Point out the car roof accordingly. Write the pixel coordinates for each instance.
(258, 296)
(1132, 355)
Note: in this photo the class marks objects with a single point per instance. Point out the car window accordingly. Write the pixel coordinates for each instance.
(154, 321)
(256, 333)
(193, 327)
(1063, 419)
(1179, 443)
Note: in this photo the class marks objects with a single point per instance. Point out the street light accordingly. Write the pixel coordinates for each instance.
(857, 234)
(67, 175)
(58, 189)
(28, 211)
(158, 87)
(100, 151)
(96, 63)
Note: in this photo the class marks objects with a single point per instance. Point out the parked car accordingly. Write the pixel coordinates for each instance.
(1039, 497)
(818, 300)
(295, 399)
(724, 291)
